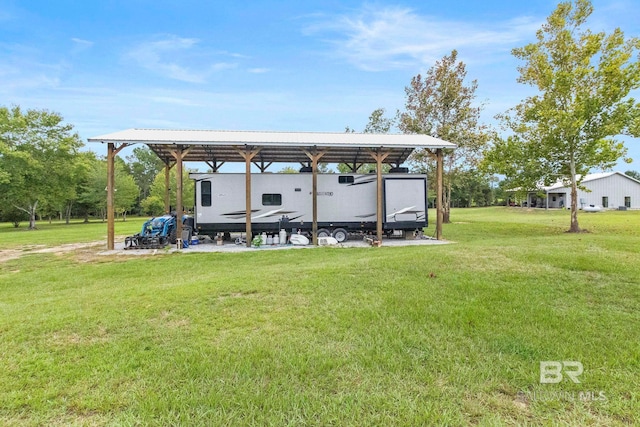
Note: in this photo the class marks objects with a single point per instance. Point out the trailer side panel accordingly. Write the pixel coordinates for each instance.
(285, 200)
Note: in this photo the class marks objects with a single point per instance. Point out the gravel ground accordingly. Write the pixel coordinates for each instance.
(207, 245)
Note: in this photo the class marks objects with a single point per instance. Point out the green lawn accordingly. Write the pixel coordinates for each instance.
(432, 335)
(58, 232)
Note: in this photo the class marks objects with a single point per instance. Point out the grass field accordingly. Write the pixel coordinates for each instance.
(431, 335)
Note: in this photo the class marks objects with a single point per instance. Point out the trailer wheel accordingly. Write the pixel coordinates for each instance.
(340, 234)
(323, 232)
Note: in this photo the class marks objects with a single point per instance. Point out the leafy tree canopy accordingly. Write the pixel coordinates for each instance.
(94, 191)
(144, 165)
(633, 174)
(442, 104)
(377, 123)
(38, 154)
(157, 189)
(583, 81)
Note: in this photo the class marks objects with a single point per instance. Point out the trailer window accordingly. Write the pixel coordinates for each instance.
(345, 179)
(271, 199)
(205, 193)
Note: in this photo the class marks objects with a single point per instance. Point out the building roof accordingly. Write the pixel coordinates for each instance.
(590, 177)
(287, 147)
(587, 178)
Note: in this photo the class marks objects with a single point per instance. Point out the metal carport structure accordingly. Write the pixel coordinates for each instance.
(216, 147)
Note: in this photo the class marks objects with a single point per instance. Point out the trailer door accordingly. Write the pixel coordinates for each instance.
(405, 201)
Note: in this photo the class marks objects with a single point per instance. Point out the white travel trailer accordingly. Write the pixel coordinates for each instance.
(346, 203)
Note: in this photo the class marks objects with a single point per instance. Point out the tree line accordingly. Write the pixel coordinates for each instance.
(45, 174)
(582, 82)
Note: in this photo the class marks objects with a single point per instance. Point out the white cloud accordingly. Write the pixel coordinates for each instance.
(169, 55)
(377, 39)
(34, 81)
(223, 66)
(82, 42)
(258, 70)
(175, 101)
(80, 45)
(232, 54)
(21, 70)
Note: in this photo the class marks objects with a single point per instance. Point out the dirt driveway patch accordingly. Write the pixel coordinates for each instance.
(9, 254)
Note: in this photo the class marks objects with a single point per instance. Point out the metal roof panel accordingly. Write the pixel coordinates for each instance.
(285, 147)
(225, 137)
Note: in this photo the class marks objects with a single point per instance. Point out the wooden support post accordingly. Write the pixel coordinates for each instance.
(214, 165)
(439, 192)
(262, 165)
(379, 157)
(248, 154)
(314, 156)
(112, 152)
(247, 200)
(167, 198)
(110, 196)
(179, 154)
(353, 167)
(179, 202)
(314, 198)
(379, 210)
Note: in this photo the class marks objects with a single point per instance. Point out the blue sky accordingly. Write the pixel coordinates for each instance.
(261, 65)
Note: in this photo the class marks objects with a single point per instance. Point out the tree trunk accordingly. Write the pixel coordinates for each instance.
(575, 228)
(446, 206)
(32, 215)
(31, 211)
(446, 215)
(68, 212)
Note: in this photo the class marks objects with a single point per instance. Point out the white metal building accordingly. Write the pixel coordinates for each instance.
(609, 190)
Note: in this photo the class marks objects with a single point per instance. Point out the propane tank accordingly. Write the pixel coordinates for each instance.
(283, 237)
(263, 237)
(276, 239)
(269, 240)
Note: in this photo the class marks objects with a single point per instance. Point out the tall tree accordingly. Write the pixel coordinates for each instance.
(583, 81)
(442, 104)
(144, 165)
(377, 123)
(158, 187)
(633, 174)
(77, 172)
(94, 196)
(37, 151)
(288, 169)
(471, 188)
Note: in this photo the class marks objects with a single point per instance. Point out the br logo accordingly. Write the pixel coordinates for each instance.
(552, 372)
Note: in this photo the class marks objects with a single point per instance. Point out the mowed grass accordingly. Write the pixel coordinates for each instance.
(58, 232)
(431, 335)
